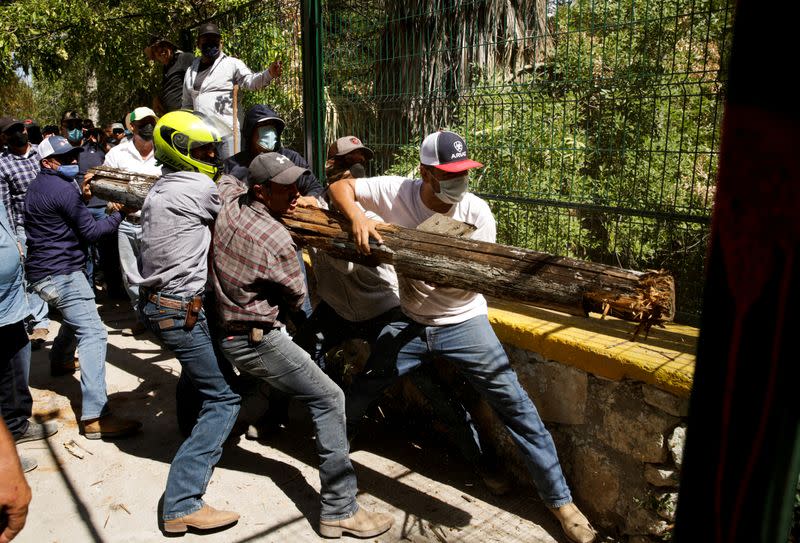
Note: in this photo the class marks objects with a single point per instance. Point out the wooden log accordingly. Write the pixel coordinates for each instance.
(564, 284)
(119, 186)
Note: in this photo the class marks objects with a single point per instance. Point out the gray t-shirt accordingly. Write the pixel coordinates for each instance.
(177, 218)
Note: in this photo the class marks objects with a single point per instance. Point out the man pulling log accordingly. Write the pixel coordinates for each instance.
(520, 275)
(449, 322)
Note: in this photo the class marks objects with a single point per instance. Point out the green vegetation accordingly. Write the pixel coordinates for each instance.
(598, 124)
(600, 139)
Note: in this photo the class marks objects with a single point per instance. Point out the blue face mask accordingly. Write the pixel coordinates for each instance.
(76, 134)
(210, 50)
(267, 138)
(69, 170)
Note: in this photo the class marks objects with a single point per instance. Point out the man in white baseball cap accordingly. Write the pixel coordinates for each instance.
(135, 155)
(449, 322)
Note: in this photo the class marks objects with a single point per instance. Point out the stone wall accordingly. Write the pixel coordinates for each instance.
(620, 444)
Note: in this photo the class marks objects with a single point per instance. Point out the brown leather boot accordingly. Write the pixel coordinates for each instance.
(109, 426)
(206, 518)
(574, 523)
(361, 524)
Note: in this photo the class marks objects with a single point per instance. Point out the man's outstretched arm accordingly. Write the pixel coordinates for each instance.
(15, 494)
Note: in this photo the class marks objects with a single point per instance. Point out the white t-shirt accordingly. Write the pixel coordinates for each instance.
(357, 293)
(398, 201)
(125, 156)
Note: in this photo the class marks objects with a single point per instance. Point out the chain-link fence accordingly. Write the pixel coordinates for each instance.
(597, 120)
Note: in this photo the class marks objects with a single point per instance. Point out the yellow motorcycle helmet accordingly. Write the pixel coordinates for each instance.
(178, 133)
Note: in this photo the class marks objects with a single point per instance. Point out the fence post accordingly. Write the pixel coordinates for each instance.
(313, 96)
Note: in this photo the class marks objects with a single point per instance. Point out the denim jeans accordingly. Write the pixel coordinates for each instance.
(196, 457)
(129, 238)
(325, 329)
(306, 307)
(96, 252)
(81, 326)
(476, 352)
(36, 306)
(16, 402)
(287, 367)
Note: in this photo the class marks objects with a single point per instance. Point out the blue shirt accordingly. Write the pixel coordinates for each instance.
(13, 307)
(59, 226)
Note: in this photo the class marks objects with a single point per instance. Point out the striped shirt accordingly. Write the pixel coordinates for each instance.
(255, 270)
(16, 174)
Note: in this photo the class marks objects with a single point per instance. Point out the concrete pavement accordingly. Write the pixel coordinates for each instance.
(112, 493)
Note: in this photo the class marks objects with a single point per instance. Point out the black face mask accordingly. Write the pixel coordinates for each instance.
(17, 139)
(146, 132)
(210, 50)
(358, 170)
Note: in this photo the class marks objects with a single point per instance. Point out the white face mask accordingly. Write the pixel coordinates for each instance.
(267, 137)
(452, 191)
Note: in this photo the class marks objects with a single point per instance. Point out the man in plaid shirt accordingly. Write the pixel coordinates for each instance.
(255, 273)
(19, 166)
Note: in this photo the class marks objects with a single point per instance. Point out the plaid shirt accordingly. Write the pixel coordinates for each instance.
(254, 268)
(16, 174)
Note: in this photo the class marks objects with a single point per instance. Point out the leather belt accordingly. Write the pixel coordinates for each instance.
(192, 306)
(254, 331)
(172, 303)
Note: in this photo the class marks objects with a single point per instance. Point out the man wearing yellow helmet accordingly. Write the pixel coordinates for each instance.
(176, 232)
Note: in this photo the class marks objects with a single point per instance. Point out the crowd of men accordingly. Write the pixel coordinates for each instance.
(212, 272)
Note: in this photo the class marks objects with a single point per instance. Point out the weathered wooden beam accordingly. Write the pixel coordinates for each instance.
(565, 284)
(119, 186)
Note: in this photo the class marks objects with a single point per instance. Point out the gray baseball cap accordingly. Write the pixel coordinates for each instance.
(276, 168)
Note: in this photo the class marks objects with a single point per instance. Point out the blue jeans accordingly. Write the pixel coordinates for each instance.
(94, 262)
(476, 352)
(15, 365)
(325, 329)
(288, 368)
(195, 460)
(129, 238)
(36, 306)
(306, 307)
(81, 326)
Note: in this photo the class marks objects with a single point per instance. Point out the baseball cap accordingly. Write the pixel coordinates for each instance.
(446, 151)
(142, 113)
(56, 145)
(8, 122)
(273, 119)
(208, 28)
(156, 40)
(348, 144)
(117, 126)
(276, 168)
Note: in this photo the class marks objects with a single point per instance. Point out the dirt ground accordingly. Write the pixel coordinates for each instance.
(112, 494)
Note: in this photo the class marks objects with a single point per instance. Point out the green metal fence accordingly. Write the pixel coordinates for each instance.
(597, 120)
